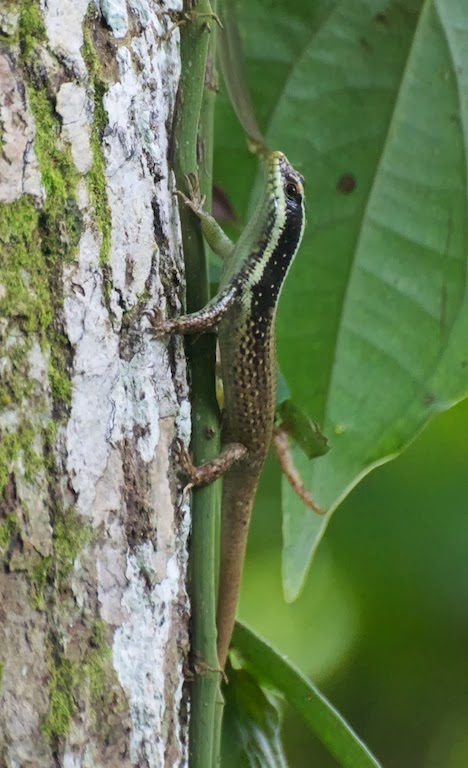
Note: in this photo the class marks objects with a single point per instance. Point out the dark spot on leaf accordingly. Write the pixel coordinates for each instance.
(380, 18)
(428, 398)
(346, 183)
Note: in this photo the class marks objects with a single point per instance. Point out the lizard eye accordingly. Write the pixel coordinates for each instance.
(292, 190)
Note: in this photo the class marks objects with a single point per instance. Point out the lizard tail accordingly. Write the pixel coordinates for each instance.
(238, 494)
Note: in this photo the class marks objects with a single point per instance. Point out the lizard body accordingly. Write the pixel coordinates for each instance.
(244, 311)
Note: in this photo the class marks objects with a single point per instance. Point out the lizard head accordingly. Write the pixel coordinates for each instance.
(286, 187)
(287, 183)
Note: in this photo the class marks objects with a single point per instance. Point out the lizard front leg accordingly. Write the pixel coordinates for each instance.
(209, 316)
(197, 322)
(214, 235)
(207, 473)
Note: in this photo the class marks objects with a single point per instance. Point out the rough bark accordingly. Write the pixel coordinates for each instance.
(93, 541)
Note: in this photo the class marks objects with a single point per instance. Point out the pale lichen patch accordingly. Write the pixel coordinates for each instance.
(149, 629)
(64, 24)
(8, 20)
(116, 16)
(19, 171)
(96, 358)
(75, 109)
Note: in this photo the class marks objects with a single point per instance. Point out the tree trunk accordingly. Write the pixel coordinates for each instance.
(93, 540)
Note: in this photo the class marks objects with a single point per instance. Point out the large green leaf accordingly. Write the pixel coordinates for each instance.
(370, 101)
(269, 667)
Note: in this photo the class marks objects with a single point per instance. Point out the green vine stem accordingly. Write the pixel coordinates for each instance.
(206, 183)
(196, 33)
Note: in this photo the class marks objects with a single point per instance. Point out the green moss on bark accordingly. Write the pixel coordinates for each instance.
(34, 245)
(61, 222)
(96, 178)
(38, 576)
(31, 29)
(7, 529)
(23, 268)
(91, 676)
(69, 537)
(98, 669)
(25, 303)
(63, 679)
(15, 445)
(59, 378)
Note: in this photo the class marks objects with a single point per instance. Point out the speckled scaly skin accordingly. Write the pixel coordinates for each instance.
(244, 310)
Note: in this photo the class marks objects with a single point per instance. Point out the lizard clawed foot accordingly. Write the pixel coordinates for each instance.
(285, 457)
(187, 469)
(159, 326)
(185, 17)
(195, 202)
(186, 465)
(209, 472)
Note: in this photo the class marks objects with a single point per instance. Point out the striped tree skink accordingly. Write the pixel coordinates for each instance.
(244, 312)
